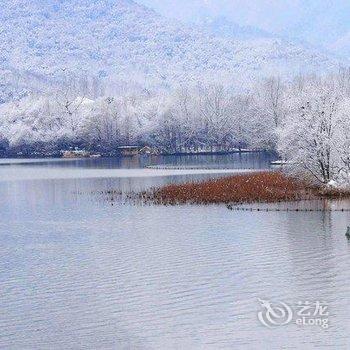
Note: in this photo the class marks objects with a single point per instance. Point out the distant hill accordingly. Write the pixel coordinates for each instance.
(121, 40)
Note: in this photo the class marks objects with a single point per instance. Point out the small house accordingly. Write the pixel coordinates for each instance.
(128, 151)
(148, 150)
(75, 154)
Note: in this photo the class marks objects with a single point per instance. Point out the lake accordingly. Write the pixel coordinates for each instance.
(80, 270)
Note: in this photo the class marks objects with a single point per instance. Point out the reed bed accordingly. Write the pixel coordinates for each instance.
(263, 187)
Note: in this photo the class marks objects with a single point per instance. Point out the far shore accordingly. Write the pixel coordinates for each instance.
(259, 187)
(55, 155)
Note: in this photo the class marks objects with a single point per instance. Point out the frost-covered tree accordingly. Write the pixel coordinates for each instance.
(216, 113)
(273, 94)
(32, 120)
(312, 137)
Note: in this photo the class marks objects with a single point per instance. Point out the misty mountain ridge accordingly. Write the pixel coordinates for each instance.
(122, 40)
(223, 27)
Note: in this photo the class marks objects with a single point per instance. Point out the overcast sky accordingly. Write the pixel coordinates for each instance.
(314, 20)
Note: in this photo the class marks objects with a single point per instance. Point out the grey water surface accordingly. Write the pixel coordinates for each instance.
(80, 271)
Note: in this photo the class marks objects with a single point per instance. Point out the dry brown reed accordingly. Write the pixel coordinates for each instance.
(267, 186)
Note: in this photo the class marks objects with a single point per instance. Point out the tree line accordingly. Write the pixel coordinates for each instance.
(306, 120)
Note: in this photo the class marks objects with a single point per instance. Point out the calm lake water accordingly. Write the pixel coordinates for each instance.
(77, 272)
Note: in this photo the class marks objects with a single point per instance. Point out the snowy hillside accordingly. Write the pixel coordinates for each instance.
(120, 39)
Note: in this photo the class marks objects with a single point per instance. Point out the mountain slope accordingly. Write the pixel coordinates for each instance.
(119, 39)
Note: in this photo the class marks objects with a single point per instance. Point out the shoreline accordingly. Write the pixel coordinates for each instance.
(110, 155)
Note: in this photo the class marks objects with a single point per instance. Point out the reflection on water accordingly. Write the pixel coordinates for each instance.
(234, 160)
(78, 273)
(128, 167)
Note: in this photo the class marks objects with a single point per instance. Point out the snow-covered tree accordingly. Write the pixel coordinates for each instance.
(313, 135)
